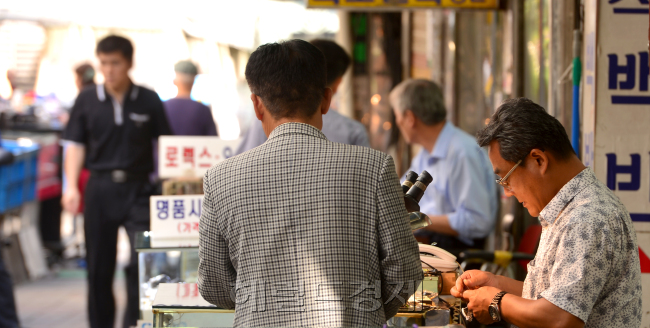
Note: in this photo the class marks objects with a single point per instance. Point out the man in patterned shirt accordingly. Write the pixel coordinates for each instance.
(586, 271)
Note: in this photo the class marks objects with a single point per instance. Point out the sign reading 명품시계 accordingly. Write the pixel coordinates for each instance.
(175, 219)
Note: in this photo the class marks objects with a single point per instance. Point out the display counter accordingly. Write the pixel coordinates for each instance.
(169, 296)
(161, 265)
(181, 305)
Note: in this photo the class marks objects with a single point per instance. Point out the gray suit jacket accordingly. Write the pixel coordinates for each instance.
(302, 231)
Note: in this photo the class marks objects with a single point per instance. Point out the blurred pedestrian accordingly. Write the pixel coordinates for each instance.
(186, 116)
(84, 76)
(336, 127)
(110, 130)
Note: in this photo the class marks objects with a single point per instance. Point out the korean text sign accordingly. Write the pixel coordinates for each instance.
(616, 112)
(182, 156)
(616, 106)
(176, 217)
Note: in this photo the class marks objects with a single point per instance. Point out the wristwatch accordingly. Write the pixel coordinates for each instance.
(495, 311)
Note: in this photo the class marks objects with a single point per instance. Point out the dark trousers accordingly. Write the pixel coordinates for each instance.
(8, 316)
(109, 205)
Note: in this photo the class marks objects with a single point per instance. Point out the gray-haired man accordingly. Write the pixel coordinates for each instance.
(462, 199)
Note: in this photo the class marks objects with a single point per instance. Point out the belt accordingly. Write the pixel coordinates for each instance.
(120, 176)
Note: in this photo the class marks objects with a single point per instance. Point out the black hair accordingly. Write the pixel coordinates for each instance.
(336, 58)
(289, 76)
(520, 125)
(114, 43)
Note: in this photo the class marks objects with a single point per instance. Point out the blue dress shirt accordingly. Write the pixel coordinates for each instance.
(336, 128)
(463, 185)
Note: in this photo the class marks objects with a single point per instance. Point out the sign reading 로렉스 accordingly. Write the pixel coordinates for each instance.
(183, 156)
(403, 4)
(176, 219)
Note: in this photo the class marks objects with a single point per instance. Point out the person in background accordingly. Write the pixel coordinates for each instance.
(336, 127)
(50, 212)
(8, 315)
(319, 224)
(186, 116)
(462, 199)
(110, 131)
(84, 76)
(586, 272)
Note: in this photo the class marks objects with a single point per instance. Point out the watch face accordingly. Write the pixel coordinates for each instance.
(494, 313)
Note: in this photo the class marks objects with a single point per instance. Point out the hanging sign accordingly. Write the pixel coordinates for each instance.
(616, 102)
(616, 112)
(183, 156)
(175, 219)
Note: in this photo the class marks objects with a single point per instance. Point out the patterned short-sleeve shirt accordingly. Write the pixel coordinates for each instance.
(588, 261)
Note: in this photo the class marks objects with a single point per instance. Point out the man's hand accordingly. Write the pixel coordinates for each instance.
(479, 302)
(473, 279)
(71, 199)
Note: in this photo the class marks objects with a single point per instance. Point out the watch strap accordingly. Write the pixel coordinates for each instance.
(497, 298)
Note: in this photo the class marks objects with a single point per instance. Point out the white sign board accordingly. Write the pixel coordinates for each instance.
(622, 135)
(183, 156)
(175, 220)
(616, 107)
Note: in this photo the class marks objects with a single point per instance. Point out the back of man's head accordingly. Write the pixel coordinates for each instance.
(186, 72)
(114, 43)
(289, 77)
(86, 74)
(519, 125)
(422, 97)
(337, 59)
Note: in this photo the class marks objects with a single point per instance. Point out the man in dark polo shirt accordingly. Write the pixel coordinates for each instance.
(110, 131)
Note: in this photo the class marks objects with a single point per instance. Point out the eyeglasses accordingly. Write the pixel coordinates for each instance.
(502, 181)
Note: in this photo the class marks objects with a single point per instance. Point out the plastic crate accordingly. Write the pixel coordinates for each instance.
(18, 179)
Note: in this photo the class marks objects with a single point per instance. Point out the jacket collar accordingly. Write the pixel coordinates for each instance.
(296, 128)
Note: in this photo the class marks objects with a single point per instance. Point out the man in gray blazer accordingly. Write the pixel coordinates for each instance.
(302, 231)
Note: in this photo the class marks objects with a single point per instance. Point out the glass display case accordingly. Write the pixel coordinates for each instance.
(180, 305)
(169, 296)
(162, 265)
